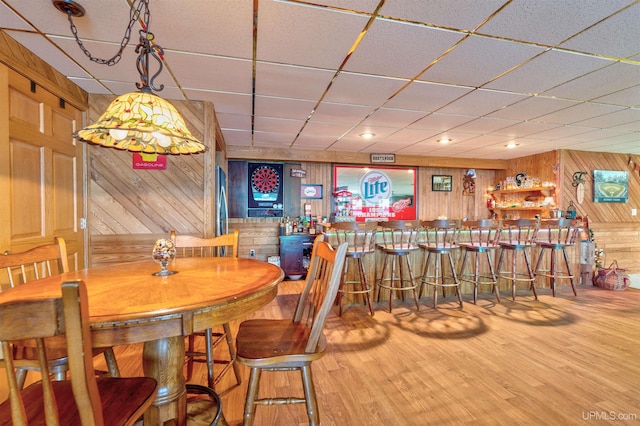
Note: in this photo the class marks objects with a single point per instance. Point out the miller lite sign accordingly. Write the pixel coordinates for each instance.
(381, 193)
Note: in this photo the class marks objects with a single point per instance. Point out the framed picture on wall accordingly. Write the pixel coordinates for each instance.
(311, 191)
(441, 183)
(610, 186)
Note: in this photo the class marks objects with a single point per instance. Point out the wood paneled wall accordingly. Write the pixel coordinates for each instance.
(129, 209)
(615, 230)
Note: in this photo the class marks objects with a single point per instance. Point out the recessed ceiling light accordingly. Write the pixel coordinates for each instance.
(367, 135)
(512, 145)
(444, 140)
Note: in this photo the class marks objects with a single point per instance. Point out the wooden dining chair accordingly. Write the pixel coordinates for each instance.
(221, 246)
(84, 399)
(40, 262)
(284, 345)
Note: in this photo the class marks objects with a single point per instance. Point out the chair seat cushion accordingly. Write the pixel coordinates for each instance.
(121, 398)
(263, 342)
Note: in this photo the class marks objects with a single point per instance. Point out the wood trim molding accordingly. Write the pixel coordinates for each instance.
(292, 155)
(23, 61)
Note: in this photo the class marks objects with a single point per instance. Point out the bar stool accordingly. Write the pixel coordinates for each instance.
(360, 238)
(518, 237)
(399, 239)
(441, 238)
(559, 234)
(483, 240)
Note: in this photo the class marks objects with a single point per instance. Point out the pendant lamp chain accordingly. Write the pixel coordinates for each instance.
(134, 17)
(137, 121)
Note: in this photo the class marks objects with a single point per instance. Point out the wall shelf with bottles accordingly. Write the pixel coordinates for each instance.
(523, 202)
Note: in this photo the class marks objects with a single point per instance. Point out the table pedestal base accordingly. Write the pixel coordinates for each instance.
(163, 360)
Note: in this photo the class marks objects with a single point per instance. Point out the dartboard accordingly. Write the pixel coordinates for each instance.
(265, 179)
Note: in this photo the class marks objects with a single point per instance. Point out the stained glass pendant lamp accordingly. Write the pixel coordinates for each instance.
(138, 121)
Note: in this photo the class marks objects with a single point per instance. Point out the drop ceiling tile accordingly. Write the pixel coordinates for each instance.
(286, 81)
(410, 136)
(613, 78)
(546, 71)
(526, 128)
(380, 132)
(92, 26)
(531, 107)
(485, 125)
(616, 36)
(481, 102)
(427, 97)
(558, 133)
(229, 103)
(360, 89)
(546, 21)
(313, 142)
(91, 86)
(211, 73)
(615, 119)
(234, 121)
(349, 144)
(272, 140)
(222, 28)
(366, 6)
(578, 113)
(277, 125)
(388, 117)
(330, 130)
(47, 51)
(629, 96)
(124, 70)
(8, 19)
(267, 106)
(440, 12)
(234, 137)
(329, 112)
(292, 34)
(478, 60)
(441, 122)
(389, 49)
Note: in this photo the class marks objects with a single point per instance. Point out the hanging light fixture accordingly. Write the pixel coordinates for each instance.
(137, 121)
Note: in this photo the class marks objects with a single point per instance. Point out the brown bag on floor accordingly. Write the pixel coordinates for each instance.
(612, 278)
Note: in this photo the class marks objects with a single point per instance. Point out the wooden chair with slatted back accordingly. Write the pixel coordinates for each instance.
(284, 345)
(40, 262)
(221, 246)
(84, 399)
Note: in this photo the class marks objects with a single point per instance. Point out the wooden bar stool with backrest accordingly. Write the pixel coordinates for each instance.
(285, 345)
(554, 237)
(479, 248)
(221, 246)
(84, 399)
(399, 240)
(439, 242)
(518, 237)
(360, 238)
(41, 262)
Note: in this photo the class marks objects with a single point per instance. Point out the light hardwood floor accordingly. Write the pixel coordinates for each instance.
(556, 361)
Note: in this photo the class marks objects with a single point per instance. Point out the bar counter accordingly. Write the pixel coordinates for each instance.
(373, 265)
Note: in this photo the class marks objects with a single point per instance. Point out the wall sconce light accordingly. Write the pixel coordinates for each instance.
(137, 121)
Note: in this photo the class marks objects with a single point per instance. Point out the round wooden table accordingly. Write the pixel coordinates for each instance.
(128, 304)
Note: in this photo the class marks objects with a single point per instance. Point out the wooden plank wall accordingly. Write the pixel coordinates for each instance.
(616, 231)
(129, 209)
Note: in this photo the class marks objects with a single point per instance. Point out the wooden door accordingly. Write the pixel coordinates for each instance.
(41, 189)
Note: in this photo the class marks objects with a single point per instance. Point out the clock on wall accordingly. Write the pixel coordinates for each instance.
(265, 190)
